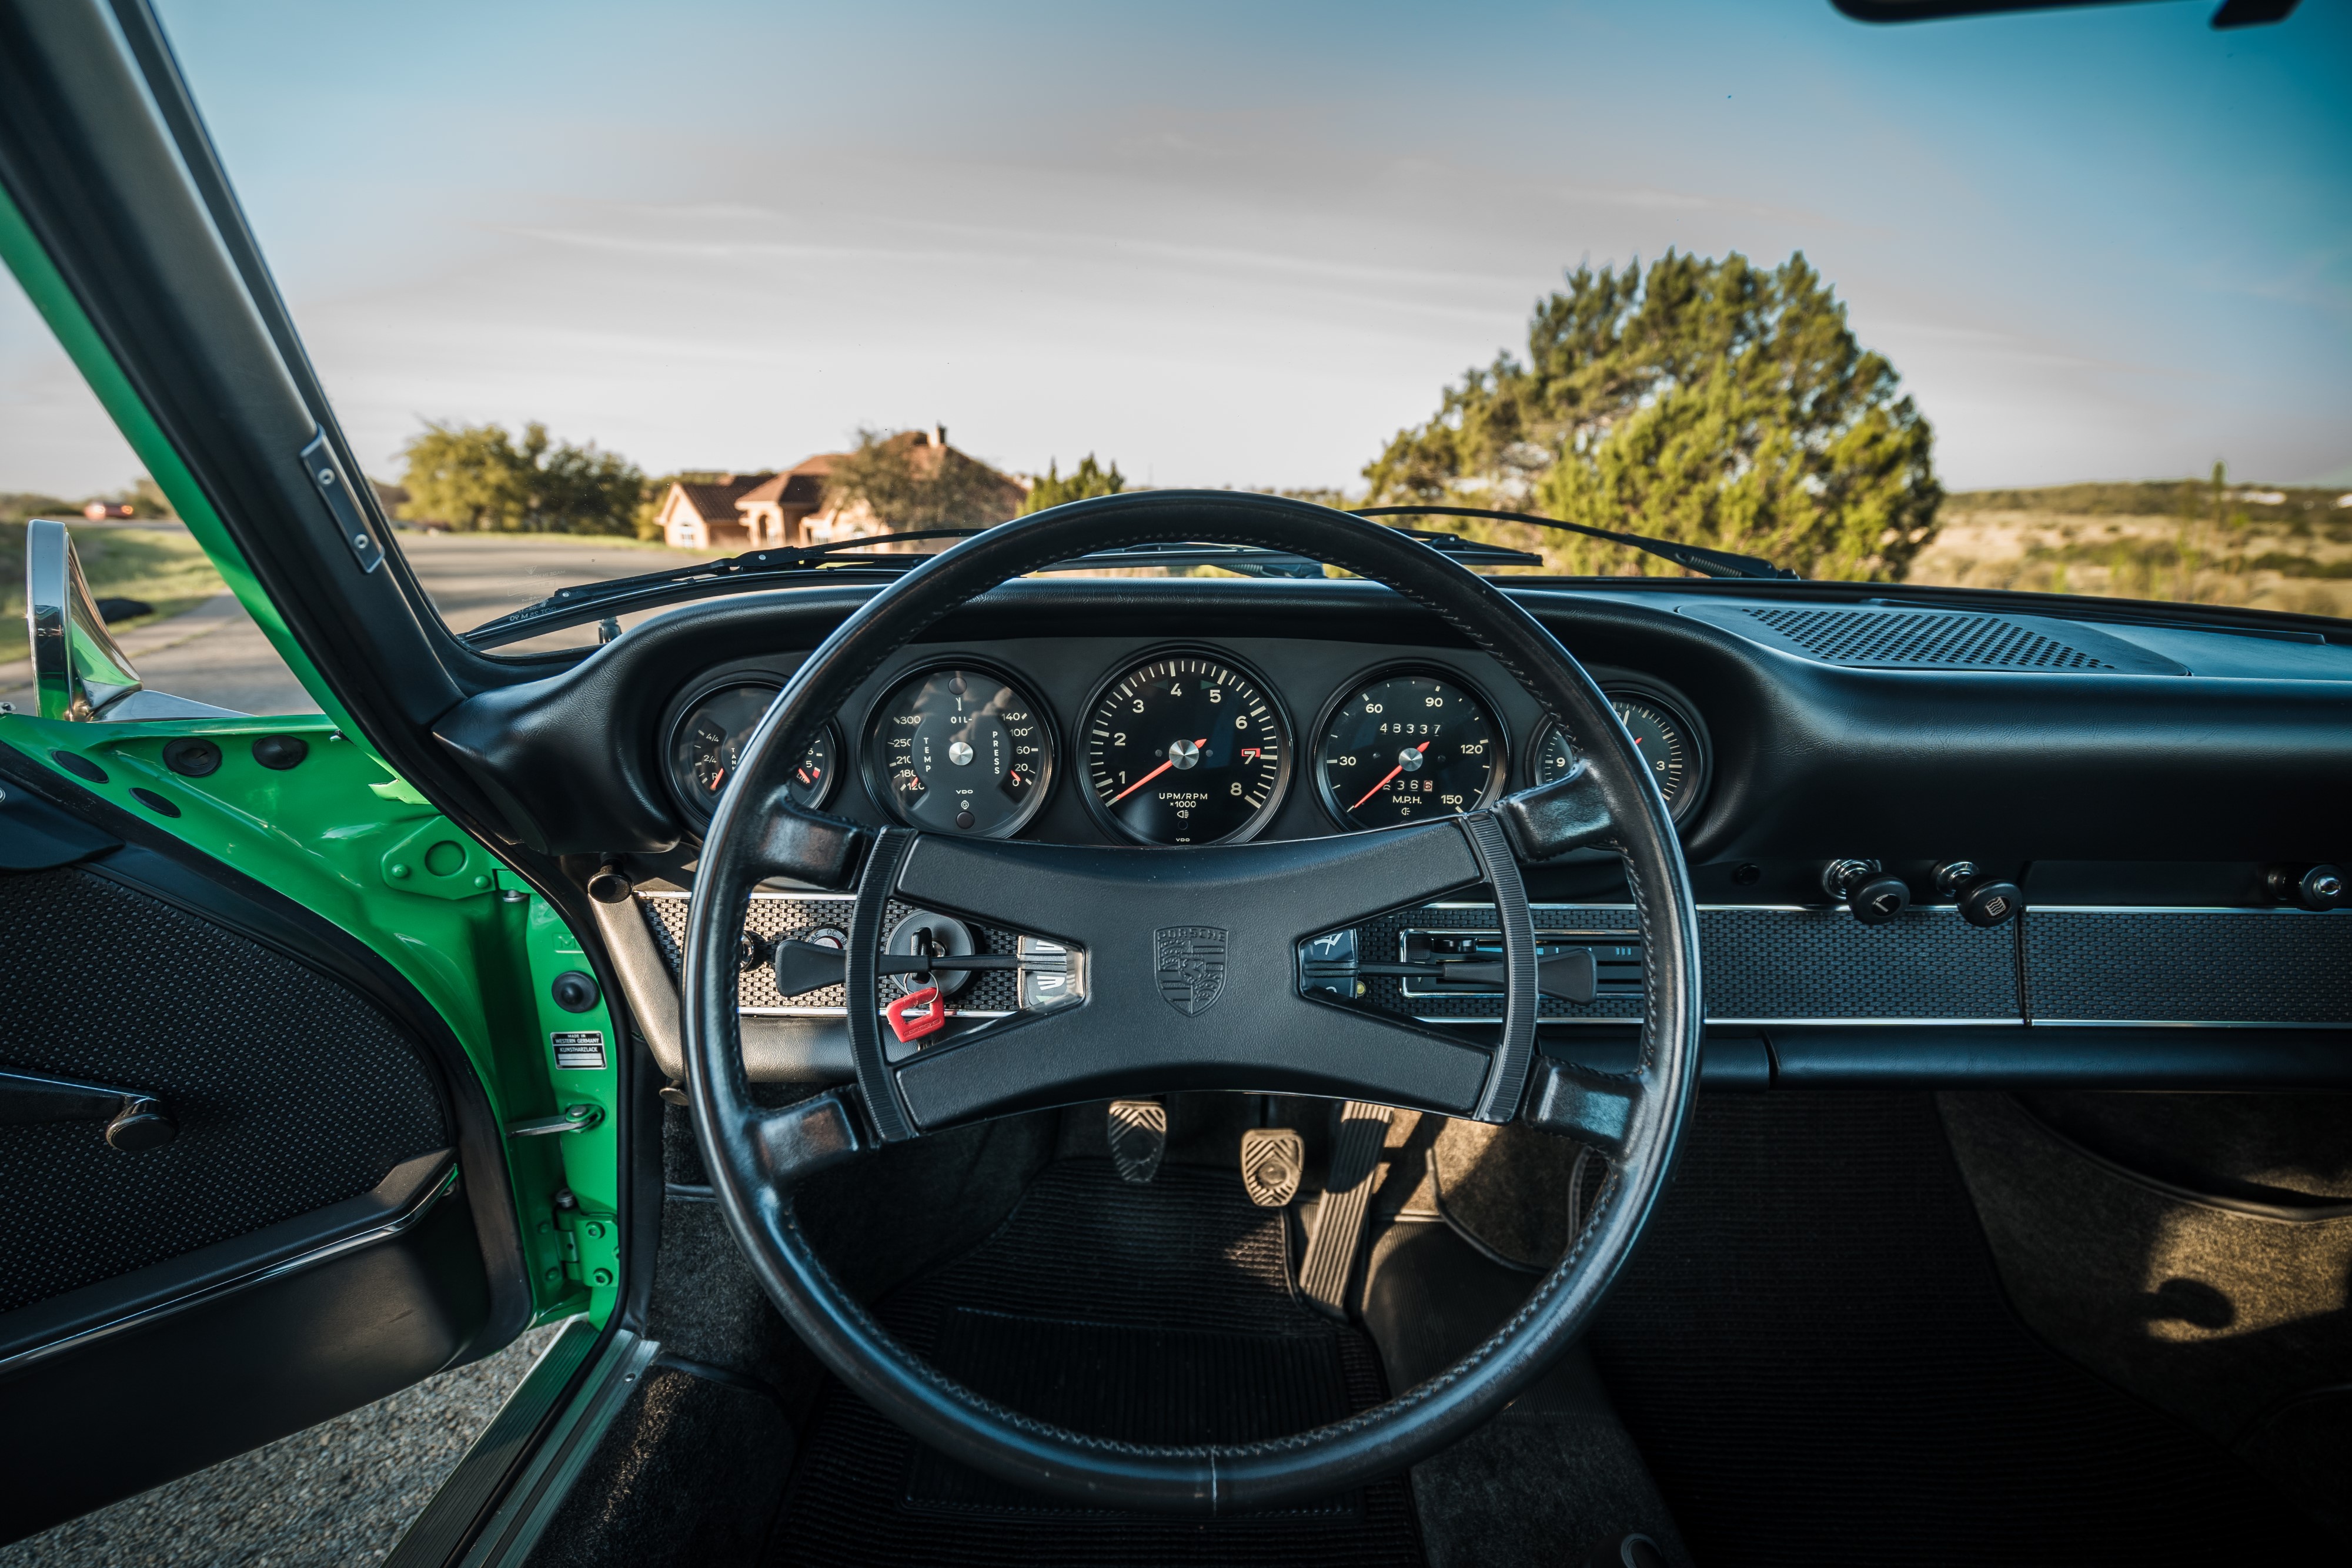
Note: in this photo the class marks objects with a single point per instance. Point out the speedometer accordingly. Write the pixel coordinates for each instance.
(959, 748)
(1407, 744)
(1186, 748)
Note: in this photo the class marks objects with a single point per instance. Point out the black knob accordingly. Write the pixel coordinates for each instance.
(575, 992)
(1879, 899)
(610, 884)
(1989, 901)
(2314, 887)
(142, 1126)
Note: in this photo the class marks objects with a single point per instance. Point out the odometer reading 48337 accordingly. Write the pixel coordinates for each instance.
(1186, 748)
(1406, 746)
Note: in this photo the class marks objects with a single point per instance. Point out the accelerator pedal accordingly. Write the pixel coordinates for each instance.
(1339, 1218)
(1138, 1136)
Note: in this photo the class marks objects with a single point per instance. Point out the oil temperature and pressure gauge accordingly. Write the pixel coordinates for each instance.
(959, 749)
(1408, 744)
(1185, 748)
(705, 749)
(1669, 743)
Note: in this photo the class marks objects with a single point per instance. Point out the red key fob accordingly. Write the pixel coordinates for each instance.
(917, 1013)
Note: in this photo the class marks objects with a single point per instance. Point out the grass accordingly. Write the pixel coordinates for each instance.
(2161, 541)
(163, 566)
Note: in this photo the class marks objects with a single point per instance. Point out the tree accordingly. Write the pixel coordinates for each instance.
(1707, 402)
(478, 478)
(1087, 479)
(914, 479)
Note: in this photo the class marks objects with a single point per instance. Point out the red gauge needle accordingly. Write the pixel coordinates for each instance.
(717, 780)
(1148, 778)
(1384, 782)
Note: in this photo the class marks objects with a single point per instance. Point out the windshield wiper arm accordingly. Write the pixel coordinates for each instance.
(586, 601)
(1697, 558)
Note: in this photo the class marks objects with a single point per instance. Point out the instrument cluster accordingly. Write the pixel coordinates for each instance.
(1182, 744)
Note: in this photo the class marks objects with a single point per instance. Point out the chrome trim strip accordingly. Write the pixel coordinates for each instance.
(2040, 1023)
(417, 1210)
(843, 1012)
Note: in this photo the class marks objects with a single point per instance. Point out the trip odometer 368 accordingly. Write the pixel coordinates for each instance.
(959, 749)
(1185, 748)
(1407, 744)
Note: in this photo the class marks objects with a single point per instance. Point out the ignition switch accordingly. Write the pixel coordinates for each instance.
(1874, 894)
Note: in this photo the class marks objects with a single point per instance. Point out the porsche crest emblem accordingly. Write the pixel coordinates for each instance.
(1191, 964)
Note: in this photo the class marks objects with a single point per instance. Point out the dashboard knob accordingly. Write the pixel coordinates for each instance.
(1879, 899)
(2314, 887)
(1989, 901)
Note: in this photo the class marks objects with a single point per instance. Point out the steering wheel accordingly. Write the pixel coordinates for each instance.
(1111, 906)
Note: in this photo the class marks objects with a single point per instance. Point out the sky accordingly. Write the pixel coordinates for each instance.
(1243, 244)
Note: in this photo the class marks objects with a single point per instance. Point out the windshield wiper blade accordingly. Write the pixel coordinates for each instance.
(572, 606)
(1700, 558)
(1256, 560)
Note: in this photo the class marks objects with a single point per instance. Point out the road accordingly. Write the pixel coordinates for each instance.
(215, 654)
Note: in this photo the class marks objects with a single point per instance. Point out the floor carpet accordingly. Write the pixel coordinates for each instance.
(1814, 1350)
(1157, 1313)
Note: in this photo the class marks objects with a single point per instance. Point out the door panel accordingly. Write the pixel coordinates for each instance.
(289, 1092)
(330, 1221)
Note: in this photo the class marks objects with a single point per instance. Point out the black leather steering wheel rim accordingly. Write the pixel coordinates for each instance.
(756, 1156)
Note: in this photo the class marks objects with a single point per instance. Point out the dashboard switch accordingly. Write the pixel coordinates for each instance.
(2313, 887)
(1989, 901)
(1874, 895)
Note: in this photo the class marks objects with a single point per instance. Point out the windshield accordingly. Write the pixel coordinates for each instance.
(2055, 301)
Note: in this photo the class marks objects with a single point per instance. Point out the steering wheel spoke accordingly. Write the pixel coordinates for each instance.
(1601, 1109)
(807, 846)
(1566, 813)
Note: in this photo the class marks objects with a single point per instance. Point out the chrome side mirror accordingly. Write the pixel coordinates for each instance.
(79, 671)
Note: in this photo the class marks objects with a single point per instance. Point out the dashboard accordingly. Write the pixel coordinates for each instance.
(1933, 840)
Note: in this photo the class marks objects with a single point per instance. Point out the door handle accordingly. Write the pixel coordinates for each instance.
(134, 1120)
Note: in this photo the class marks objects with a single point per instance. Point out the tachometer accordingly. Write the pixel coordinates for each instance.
(1407, 744)
(1669, 743)
(705, 748)
(959, 749)
(1186, 748)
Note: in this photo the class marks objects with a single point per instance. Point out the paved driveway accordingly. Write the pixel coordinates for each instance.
(215, 654)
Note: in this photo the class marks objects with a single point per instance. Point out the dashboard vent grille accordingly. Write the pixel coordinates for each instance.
(1921, 638)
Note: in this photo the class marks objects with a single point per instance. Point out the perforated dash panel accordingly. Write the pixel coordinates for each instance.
(1909, 638)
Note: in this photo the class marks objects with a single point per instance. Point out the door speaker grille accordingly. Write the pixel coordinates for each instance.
(1920, 638)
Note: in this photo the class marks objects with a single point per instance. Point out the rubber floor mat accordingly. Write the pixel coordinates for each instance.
(1157, 1313)
(1814, 1353)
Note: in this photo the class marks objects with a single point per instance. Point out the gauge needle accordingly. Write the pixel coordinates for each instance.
(1384, 782)
(1148, 778)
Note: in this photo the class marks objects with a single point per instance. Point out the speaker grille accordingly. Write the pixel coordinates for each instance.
(1918, 639)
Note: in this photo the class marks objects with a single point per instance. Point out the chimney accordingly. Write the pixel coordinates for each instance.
(939, 435)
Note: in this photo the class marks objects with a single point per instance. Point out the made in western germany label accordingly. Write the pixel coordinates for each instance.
(581, 1048)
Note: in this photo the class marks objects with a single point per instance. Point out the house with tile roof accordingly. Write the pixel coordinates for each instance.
(701, 514)
(766, 511)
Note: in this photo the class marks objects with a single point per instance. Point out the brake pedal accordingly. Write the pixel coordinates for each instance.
(1339, 1217)
(1138, 1136)
(1273, 1159)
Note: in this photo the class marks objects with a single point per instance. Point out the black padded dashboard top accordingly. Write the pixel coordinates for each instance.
(2022, 735)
